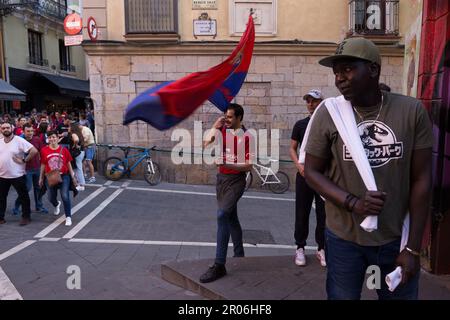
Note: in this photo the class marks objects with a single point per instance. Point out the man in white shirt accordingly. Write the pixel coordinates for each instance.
(15, 153)
(89, 149)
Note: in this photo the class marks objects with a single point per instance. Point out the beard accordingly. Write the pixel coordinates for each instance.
(7, 134)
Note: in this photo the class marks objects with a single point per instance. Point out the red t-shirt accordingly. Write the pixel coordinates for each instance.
(34, 164)
(229, 157)
(49, 157)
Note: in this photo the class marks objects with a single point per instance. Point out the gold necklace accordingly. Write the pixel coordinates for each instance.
(378, 115)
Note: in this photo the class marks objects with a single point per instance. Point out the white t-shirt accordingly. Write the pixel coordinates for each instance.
(87, 136)
(9, 169)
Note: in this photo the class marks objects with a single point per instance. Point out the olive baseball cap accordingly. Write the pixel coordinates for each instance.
(359, 48)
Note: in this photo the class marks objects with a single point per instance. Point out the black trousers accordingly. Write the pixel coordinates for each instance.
(20, 184)
(304, 196)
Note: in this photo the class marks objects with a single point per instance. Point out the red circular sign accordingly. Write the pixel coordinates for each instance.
(72, 24)
(92, 28)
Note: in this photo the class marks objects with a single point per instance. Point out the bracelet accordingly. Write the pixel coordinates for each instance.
(413, 252)
(347, 201)
(354, 204)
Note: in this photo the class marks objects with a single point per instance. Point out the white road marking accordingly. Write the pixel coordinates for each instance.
(107, 183)
(16, 249)
(205, 193)
(50, 239)
(184, 243)
(61, 219)
(7, 289)
(92, 215)
(93, 185)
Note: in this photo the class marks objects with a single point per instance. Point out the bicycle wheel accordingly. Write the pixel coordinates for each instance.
(152, 177)
(281, 187)
(248, 180)
(113, 168)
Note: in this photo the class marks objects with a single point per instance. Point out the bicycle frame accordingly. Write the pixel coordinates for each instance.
(266, 172)
(141, 156)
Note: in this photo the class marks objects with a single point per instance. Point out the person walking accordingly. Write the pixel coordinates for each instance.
(56, 157)
(32, 172)
(89, 149)
(304, 194)
(76, 148)
(230, 188)
(15, 154)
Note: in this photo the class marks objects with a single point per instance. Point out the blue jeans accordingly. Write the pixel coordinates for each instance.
(32, 179)
(346, 268)
(229, 190)
(89, 152)
(228, 224)
(64, 191)
(79, 169)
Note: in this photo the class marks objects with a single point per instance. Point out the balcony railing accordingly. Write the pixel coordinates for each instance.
(67, 67)
(374, 17)
(151, 16)
(37, 61)
(50, 8)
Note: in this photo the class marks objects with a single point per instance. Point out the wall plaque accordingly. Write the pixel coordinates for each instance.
(204, 4)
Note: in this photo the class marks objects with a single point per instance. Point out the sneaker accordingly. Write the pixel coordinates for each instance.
(68, 221)
(300, 258)
(91, 180)
(16, 211)
(321, 257)
(24, 221)
(214, 272)
(56, 212)
(2, 221)
(42, 210)
(80, 188)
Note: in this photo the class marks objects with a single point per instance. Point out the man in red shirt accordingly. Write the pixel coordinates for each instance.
(230, 186)
(32, 171)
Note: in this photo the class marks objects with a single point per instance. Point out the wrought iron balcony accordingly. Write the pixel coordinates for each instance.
(67, 67)
(38, 61)
(53, 8)
(374, 17)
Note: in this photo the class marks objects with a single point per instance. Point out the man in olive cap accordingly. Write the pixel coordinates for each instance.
(396, 134)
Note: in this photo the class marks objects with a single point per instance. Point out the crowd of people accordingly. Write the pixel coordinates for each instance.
(36, 145)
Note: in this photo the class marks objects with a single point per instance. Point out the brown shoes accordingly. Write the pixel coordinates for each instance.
(2, 221)
(24, 221)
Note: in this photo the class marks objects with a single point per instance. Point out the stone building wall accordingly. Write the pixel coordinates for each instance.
(271, 96)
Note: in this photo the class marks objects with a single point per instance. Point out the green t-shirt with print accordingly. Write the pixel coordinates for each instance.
(403, 126)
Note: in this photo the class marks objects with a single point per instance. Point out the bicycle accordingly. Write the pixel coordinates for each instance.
(115, 168)
(277, 182)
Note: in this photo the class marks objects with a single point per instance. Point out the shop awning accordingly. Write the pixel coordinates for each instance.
(10, 93)
(69, 86)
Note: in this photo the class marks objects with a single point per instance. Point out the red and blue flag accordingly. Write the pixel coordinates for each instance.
(169, 103)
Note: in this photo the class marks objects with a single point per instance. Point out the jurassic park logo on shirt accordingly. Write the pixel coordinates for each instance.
(379, 142)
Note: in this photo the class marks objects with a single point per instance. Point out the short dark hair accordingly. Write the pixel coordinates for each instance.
(27, 125)
(238, 110)
(52, 132)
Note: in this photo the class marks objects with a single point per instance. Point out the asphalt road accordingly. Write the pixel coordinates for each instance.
(121, 234)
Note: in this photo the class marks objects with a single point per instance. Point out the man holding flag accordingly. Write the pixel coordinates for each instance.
(230, 186)
(169, 103)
